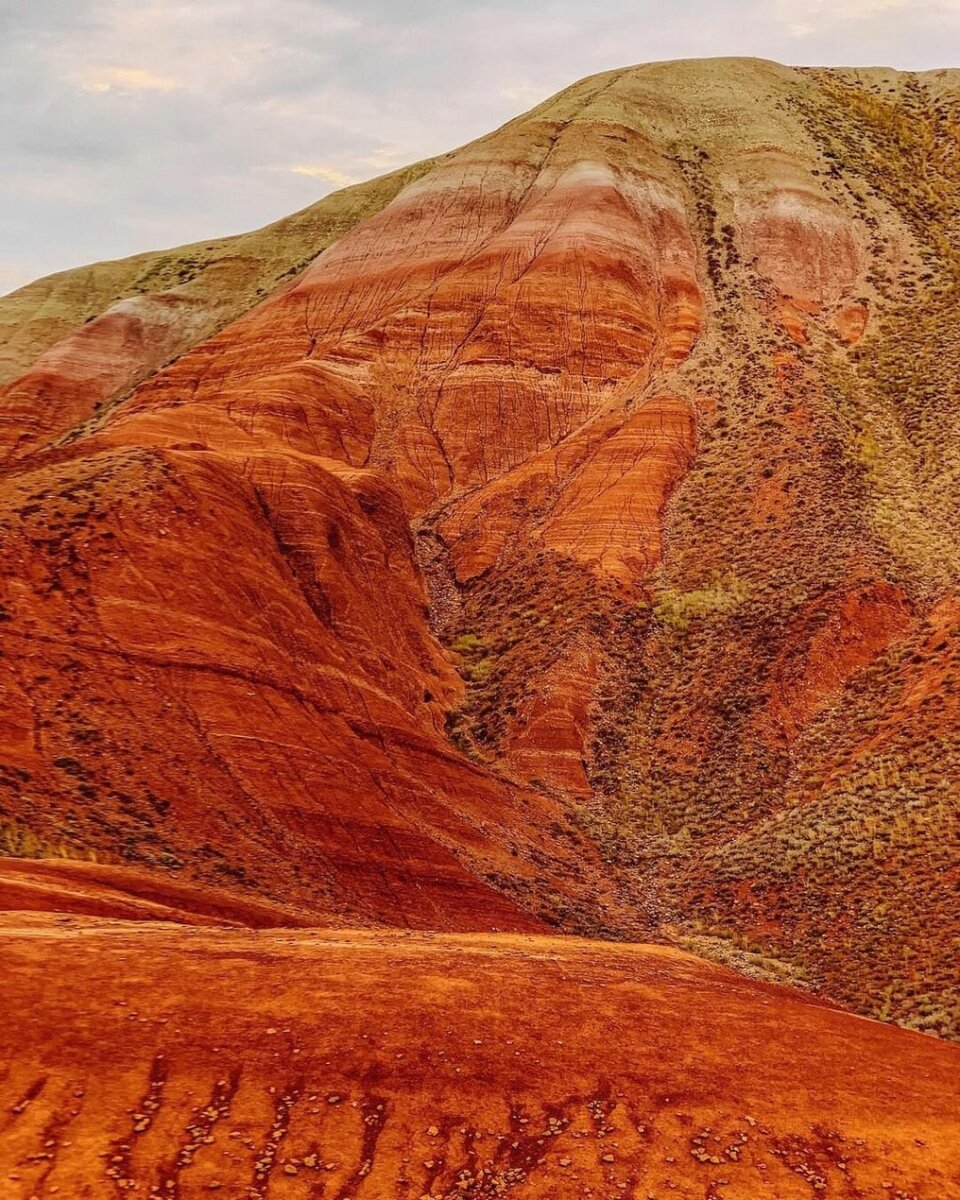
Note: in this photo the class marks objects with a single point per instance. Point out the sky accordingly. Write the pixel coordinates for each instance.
(128, 125)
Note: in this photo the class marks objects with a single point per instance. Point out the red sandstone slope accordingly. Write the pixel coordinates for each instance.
(591, 500)
(184, 690)
(133, 894)
(296, 1065)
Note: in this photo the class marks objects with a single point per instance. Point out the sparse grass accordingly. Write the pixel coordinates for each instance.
(18, 841)
(736, 950)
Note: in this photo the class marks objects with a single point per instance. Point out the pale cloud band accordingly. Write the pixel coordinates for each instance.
(321, 171)
(131, 124)
(807, 18)
(125, 79)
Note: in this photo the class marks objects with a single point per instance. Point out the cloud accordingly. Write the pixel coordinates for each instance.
(803, 18)
(125, 79)
(525, 94)
(321, 171)
(388, 158)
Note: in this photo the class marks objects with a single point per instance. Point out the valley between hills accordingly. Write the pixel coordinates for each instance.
(480, 663)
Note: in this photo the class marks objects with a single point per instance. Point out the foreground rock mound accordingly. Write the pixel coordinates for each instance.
(299, 1065)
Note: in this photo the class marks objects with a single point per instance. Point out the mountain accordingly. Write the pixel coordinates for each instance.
(561, 533)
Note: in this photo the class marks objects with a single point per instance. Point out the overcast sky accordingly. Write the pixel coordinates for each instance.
(133, 124)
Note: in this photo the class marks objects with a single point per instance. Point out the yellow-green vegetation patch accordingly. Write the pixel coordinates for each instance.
(19, 841)
(733, 949)
(475, 660)
(675, 609)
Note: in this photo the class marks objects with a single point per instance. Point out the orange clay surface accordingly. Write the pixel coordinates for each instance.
(368, 1065)
(132, 894)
